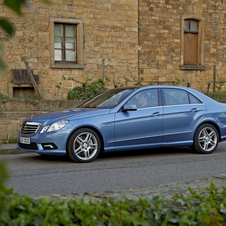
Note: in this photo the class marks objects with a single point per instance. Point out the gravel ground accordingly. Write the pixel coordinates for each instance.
(165, 190)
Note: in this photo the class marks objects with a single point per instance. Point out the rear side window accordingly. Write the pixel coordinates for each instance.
(193, 99)
(175, 97)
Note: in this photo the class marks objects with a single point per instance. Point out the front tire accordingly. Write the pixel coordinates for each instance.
(206, 139)
(84, 145)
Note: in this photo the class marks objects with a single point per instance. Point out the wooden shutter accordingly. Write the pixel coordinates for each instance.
(190, 48)
(20, 76)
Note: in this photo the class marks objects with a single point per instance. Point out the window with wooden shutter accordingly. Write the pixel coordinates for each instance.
(192, 42)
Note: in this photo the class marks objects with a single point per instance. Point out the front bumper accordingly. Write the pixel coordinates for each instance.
(44, 152)
(52, 143)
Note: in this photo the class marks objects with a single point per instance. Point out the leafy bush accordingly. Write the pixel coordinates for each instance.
(203, 208)
(91, 88)
(3, 97)
(87, 91)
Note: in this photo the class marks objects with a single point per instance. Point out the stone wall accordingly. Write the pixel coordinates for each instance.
(160, 40)
(110, 33)
(13, 113)
(152, 53)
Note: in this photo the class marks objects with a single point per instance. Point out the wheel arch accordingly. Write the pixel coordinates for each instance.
(92, 128)
(213, 124)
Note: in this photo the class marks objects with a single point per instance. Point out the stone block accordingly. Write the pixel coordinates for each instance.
(68, 104)
(29, 105)
(3, 136)
(4, 121)
(12, 130)
(30, 115)
(49, 105)
(16, 115)
(2, 128)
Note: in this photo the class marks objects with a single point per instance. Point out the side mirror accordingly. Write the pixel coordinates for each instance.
(129, 107)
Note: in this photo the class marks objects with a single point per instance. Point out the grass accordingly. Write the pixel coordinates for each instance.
(220, 96)
(11, 141)
(32, 97)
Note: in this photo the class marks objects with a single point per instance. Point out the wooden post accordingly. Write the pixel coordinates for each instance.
(84, 89)
(103, 67)
(208, 88)
(32, 78)
(214, 81)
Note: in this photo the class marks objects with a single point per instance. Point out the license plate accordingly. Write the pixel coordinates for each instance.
(25, 140)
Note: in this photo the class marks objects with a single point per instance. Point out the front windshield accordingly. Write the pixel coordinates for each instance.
(108, 99)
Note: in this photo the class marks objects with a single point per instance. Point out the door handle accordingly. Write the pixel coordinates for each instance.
(194, 109)
(155, 114)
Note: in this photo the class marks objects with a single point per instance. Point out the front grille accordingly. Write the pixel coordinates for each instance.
(31, 146)
(29, 128)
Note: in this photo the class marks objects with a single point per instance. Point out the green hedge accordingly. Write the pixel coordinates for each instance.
(204, 208)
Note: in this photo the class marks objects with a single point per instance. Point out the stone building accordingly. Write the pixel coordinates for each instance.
(182, 39)
(156, 41)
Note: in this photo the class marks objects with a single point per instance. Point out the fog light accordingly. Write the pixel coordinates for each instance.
(49, 146)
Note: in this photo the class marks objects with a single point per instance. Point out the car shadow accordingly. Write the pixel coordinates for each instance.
(44, 158)
(152, 152)
(111, 155)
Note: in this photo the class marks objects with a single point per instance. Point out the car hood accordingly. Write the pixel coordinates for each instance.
(71, 114)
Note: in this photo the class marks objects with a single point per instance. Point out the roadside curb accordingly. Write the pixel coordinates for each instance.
(6, 149)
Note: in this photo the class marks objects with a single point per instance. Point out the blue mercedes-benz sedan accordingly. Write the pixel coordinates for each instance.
(128, 118)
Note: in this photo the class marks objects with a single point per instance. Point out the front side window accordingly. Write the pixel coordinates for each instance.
(145, 99)
(65, 42)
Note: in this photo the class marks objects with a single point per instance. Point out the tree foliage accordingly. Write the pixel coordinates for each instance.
(6, 25)
(16, 6)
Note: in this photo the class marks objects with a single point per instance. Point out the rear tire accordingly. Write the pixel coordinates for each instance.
(206, 139)
(84, 145)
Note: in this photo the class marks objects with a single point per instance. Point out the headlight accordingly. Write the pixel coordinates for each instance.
(44, 129)
(55, 126)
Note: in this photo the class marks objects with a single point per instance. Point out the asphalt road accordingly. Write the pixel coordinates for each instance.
(36, 175)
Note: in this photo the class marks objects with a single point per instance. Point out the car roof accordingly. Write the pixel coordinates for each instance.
(152, 86)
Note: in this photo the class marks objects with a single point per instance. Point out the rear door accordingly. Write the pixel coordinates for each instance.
(182, 111)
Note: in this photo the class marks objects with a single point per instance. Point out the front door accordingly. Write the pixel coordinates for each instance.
(141, 128)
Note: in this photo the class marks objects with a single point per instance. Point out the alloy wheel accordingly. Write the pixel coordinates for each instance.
(85, 146)
(207, 139)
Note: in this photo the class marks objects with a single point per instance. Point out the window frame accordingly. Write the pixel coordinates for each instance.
(79, 63)
(200, 58)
